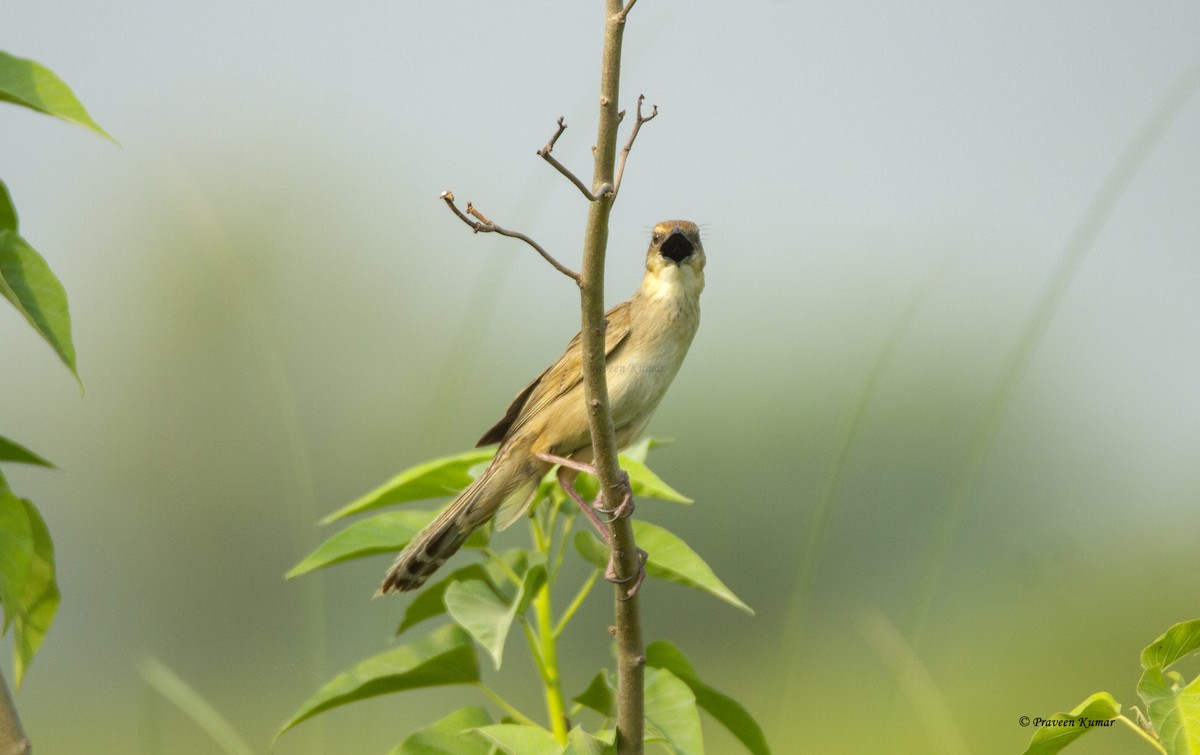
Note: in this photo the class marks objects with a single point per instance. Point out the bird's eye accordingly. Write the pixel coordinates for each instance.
(657, 237)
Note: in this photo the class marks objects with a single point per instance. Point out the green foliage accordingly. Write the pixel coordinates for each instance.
(483, 600)
(445, 656)
(1172, 703)
(29, 285)
(29, 592)
(452, 735)
(726, 710)
(434, 479)
(670, 559)
(30, 84)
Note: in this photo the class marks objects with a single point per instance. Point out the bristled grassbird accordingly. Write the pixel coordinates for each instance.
(645, 342)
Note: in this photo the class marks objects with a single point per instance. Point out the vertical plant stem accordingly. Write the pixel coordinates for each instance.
(631, 659)
(545, 649)
(12, 736)
(548, 650)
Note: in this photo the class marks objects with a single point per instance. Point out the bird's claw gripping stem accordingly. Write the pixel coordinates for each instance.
(624, 508)
(637, 578)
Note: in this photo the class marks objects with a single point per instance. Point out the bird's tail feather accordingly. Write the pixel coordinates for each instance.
(506, 479)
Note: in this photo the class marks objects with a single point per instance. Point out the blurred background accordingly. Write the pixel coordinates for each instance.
(941, 428)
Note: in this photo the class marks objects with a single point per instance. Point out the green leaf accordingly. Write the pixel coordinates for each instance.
(16, 551)
(168, 684)
(646, 484)
(445, 656)
(433, 479)
(518, 739)
(640, 450)
(429, 601)
(8, 213)
(451, 735)
(38, 603)
(476, 607)
(25, 82)
(724, 709)
(599, 696)
(670, 559)
(383, 533)
(1092, 713)
(643, 482)
(27, 282)
(579, 742)
(12, 451)
(671, 708)
(1178, 641)
(1173, 708)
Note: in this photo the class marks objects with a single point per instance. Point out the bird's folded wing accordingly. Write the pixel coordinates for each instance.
(560, 377)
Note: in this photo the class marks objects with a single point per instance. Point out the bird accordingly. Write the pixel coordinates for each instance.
(645, 341)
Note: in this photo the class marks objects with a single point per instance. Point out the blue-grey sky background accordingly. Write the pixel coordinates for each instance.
(274, 313)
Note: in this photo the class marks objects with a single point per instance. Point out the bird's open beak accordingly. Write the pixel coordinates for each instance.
(677, 248)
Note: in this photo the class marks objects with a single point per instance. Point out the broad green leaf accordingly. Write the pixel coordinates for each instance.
(644, 483)
(647, 484)
(38, 604)
(26, 82)
(8, 213)
(16, 551)
(451, 735)
(1092, 713)
(429, 602)
(1173, 708)
(383, 533)
(599, 696)
(12, 451)
(168, 684)
(445, 656)
(27, 282)
(434, 479)
(724, 709)
(476, 607)
(671, 708)
(579, 742)
(640, 450)
(670, 558)
(518, 739)
(1178, 641)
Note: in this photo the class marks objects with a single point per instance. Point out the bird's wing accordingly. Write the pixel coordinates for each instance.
(559, 377)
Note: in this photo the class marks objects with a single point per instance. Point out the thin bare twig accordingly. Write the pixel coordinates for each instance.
(544, 153)
(12, 737)
(637, 126)
(625, 11)
(483, 224)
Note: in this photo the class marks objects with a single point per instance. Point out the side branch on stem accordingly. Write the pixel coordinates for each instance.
(637, 126)
(483, 224)
(544, 153)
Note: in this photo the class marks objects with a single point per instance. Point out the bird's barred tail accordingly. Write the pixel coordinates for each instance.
(503, 481)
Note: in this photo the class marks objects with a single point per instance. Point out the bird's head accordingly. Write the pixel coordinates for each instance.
(676, 253)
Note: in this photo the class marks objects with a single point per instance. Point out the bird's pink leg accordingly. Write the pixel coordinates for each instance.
(624, 508)
(568, 470)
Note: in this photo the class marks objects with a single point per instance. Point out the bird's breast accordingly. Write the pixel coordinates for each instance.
(641, 370)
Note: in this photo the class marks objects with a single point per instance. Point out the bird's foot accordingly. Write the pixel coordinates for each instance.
(624, 508)
(637, 578)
